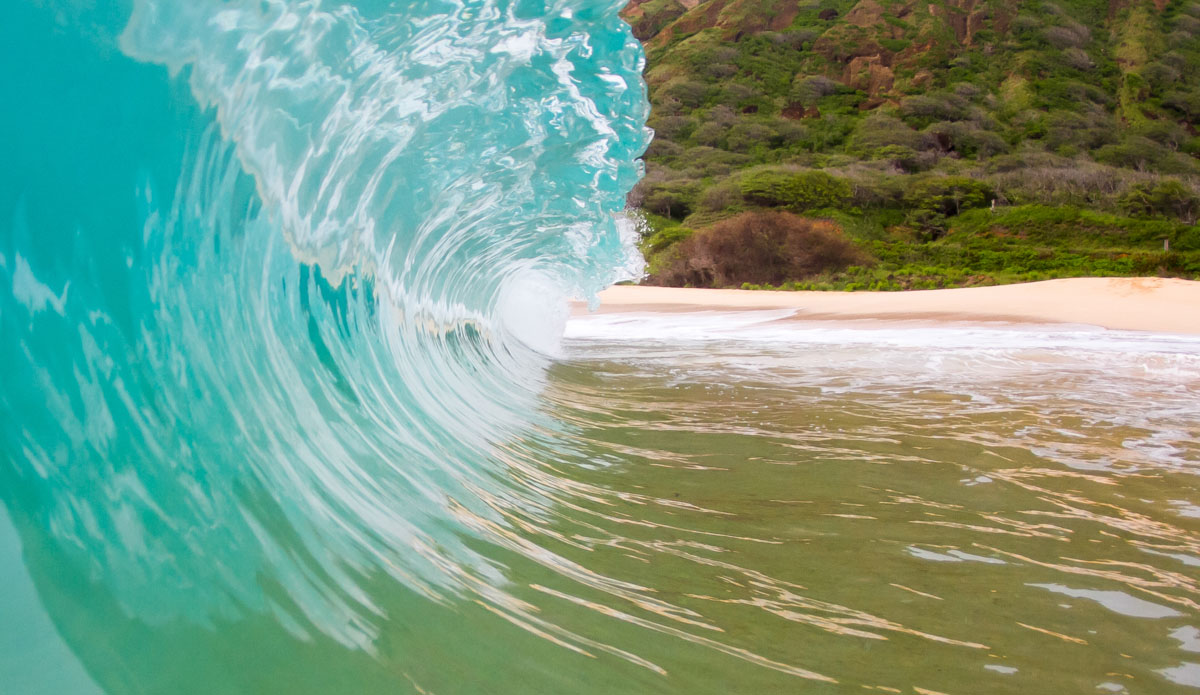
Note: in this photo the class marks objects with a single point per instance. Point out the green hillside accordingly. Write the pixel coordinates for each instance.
(952, 142)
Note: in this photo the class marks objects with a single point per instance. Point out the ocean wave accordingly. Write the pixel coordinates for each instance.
(277, 281)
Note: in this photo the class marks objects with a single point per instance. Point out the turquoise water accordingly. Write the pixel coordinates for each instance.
(286, 407)
(273, 281)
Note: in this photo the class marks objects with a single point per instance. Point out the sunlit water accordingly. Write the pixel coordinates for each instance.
(284, 409)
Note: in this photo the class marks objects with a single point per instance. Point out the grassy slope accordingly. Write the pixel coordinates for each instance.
(1078, 118)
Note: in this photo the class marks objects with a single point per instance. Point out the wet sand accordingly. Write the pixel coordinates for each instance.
(1140, 304)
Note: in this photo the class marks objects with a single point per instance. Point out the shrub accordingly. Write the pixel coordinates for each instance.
(967, 90)
(948, 195)
(666, 237)
(703, 162)
(663, 150)
(1184, 101)
(759, 248)
(711, 134)
(1058, 181)
(1026, 25)
(747, 135)
(721, 115)
(1087, 128)
(1078, 58)
(810, 89)
(1168, 198)
(1188, 25)
(1167, 133)
(722, 196)
(931, 224)
(807, 190)
(736, 94)
(904, 158)
(671, 127)
(674, 199)
(966, 139)
(719, 71)
(1160, 76)
(878, 131)
(796, 38)
(1073, 36)
(1069, 95)
(922, 110)
(690, 93)
(1134, 152)
(1028, 159)
(789, 132)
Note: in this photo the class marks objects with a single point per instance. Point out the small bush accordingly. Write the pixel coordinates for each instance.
(721, 196)
(1088, 127)
(922, 110)
(759, 248)
(1078, 59)
(808, 190)
(690, 93)
(808, 90)
(1184, 101)
(1166, 198)
(1072, 36)
(702, 162)
(1167, 133)
(1160, 76)
(1188, 25)
(666, 237)
(878, 131)
(711, 135)
(671, 127)
(948, 195)
(673, 199)
(966, 139)
(745, 136)
(1134, 152)
(904, 158)
(967, 90)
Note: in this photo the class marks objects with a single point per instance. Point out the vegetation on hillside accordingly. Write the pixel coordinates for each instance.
(951, 142)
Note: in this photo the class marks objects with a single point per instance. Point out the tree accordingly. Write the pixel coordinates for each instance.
(806, 190)
(1168, 198)
(673, 199)
(949, 195)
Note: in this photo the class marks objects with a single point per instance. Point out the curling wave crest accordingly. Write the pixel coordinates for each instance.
(270, 276)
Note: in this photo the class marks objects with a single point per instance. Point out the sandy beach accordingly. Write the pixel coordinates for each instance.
(1139, 304)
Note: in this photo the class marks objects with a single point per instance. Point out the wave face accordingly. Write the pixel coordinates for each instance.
(277, 281)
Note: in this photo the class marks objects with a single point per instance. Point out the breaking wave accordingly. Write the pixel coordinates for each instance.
(278, 282)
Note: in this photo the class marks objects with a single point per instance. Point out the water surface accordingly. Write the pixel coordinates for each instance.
(959, 508)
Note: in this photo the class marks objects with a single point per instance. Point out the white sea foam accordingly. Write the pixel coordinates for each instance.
(779, 326)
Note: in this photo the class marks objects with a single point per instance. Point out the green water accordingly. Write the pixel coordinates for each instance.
(1023, 521)
(756, 518)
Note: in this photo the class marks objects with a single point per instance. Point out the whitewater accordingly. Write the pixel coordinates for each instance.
(290, 401)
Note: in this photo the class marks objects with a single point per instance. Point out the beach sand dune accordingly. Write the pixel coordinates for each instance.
(1140, 304)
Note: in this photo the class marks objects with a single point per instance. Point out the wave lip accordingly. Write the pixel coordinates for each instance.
(445, 146)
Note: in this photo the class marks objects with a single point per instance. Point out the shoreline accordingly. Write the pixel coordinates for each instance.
(1162, 305)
